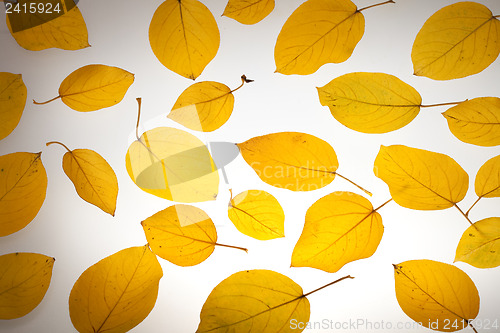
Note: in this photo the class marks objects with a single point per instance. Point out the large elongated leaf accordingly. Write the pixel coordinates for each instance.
(434, 293)
(184, 36)
(291, 160)
(458, 40)
(476, 121)
(421, 179)
(371, 102)
(340, 227)
(23, 185)
(24, 280)
(487, 184)
(65, 29)
(12, 102)
(480, 244)
(117, 293)
(248, 11)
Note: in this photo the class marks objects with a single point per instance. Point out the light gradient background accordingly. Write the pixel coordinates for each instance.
(78, 234)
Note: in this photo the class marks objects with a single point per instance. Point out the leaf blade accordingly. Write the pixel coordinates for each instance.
(248, 11)
(13, 95)
(487, 183)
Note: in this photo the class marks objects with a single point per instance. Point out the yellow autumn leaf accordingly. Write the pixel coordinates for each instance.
(174, 165)
(480, 244)
(184, 36)
(437, 295)
(93, 178)
(476, 121)
(60, 25)
(487, 184)
(248, 11)
(23, 185)
(340, 227)
(24, 280)
(421, 179)
(12, 102)
(117, 293)
(457, 41)
(371, 102)
(94, 87)
(257, 214)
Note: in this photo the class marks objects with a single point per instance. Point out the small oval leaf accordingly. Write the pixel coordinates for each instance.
(487, 184)
(13, 94)
(248, 11)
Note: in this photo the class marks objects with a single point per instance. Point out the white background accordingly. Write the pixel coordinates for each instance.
(78, 234)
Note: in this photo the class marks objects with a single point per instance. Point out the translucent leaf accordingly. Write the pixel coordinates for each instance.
(476, 121)
(480, 244)
(371, 102)
(421, 179)
(248, 11)
(12, 102)
(291, 160)
(184, 36)
(431, 292)
(257, 214)
(24, 280)
(487, 182)
(457, 41)
(23, 185)
(174, 165)
(317, 33)
(117, 293)
(65, 29)
(340, 227)
(259, 301)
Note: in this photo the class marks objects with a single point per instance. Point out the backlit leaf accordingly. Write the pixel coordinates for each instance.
(317, 33)
(340, 227)
(371, 102)
(248, 11)
(65, 29)
(457, 41)
(94, 87)
(257, 214)
(256, 301)
(12, 101)
(93, 178)
(480, 244)
(476, 121)
(487, 184)
(23, 185)
(24, 280)
(421, 179)
(291, 160)
(431, 292)
(117, 293)
(184, 36)
(174, 165)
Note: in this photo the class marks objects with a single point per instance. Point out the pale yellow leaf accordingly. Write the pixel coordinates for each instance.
(437, 294)
(117, 293)
(291, 160)
(457, 41)
(257, 214)
(256, 301)
(184, 36)
(480, 244)
(174, 165)
(65, 29)
(421, 179)
(487, 184)
(23, 185)
(476, 121)
(12, 102)
(24, 280)
(371, 102)
(248, 11)
(317, 33)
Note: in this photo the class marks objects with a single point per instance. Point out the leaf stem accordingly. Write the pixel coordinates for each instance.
(139, 100)
(441, 104)
(46, 102)
(232, 247)
(467, 213)
(382, 205)
(375, 5)
(327, 285)
(58, 143)
(243, 81)
(353, 183)
(473, 328)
